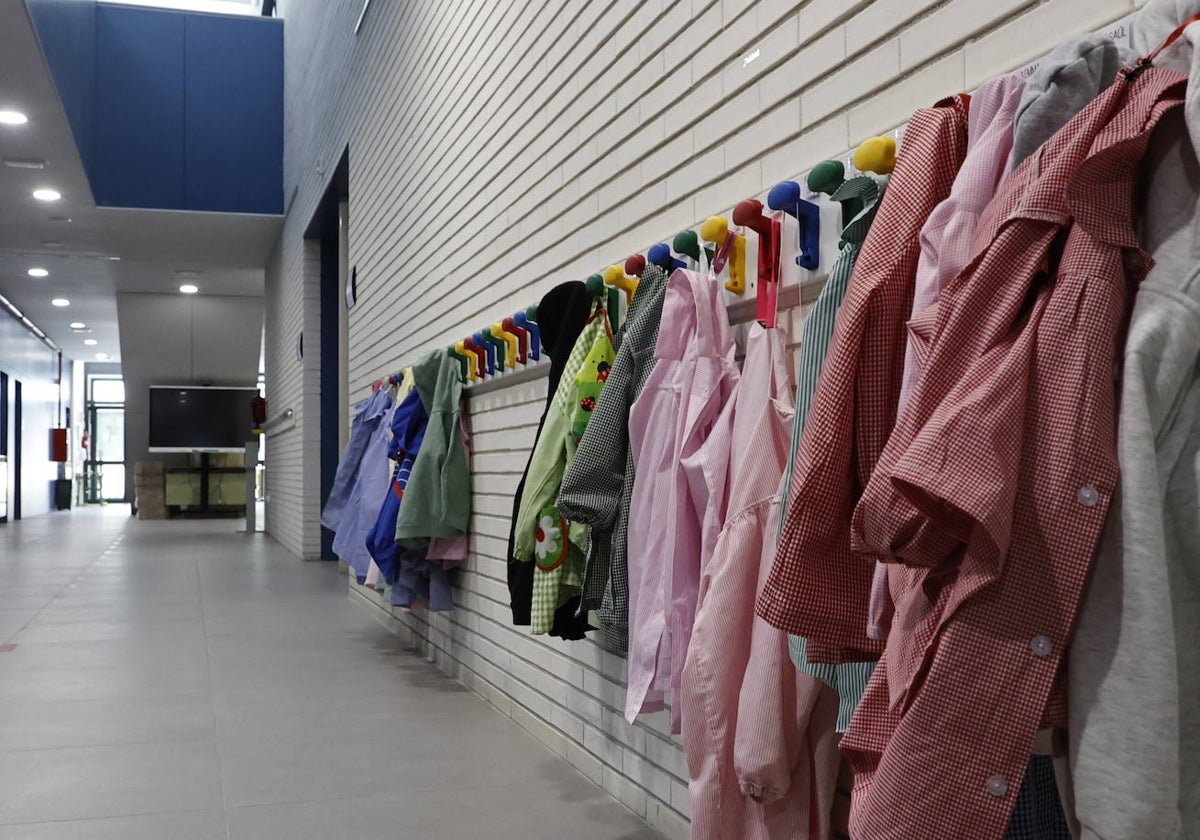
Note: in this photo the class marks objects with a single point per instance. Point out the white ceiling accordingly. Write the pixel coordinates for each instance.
(74, 239)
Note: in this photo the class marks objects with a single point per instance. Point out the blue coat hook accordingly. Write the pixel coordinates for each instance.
(525, 319)
(487, 349)
(785, 196)
(660, 255)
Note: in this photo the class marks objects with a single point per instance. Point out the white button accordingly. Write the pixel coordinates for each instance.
(1087, 496)
(997, 786)
(1041, 646)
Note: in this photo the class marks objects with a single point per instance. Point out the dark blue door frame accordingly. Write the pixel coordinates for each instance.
(324, 227)
(330, 383)
(17, 420)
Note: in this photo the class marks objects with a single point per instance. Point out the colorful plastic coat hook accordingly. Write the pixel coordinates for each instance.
(785, 197)
(615, 276)
(528, 321)
(731, 251)
(661, 256)
(749, 213)
(876, 154)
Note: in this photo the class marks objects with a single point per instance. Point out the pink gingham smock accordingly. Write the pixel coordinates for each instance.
(669, 423)
(758, 734)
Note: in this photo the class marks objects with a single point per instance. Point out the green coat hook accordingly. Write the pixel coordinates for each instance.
(500, 345)
(825, 178)
(688, 244)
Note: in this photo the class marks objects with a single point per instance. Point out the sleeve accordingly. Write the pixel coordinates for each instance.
(765, 744)
(960, 471)
(592, 485)
(542, 482)
(347, 469)
(765, 748)
(785, 719)
(456, 475)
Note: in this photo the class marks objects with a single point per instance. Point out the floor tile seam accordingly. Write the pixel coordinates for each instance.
(42, 702)
(324, 800)
(69, 583)
(200, 739)
(132, 815)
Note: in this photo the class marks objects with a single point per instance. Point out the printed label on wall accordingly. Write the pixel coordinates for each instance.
(1121, 32)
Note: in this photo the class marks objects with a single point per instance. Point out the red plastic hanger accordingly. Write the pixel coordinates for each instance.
(749, 213)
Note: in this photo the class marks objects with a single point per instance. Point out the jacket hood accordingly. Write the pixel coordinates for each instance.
(1064, 82)
(562, 314)
(436, 376)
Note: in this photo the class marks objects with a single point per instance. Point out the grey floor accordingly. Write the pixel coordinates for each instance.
(179, 681)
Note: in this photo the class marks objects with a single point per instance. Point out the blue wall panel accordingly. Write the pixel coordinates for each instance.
(170, 110)
(234, 114)
(67, 30)
(138, 158)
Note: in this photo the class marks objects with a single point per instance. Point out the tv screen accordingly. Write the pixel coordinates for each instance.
(187, 418)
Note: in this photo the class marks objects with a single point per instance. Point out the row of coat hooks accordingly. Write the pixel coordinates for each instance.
(516, 341)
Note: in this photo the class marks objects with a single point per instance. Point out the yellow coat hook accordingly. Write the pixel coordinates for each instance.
(510, 340)
(461, 349)
(615, 276)
(876, 154)
(716, 230)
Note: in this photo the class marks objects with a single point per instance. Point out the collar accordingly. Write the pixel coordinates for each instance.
(1086, 171)
(866, 190)
(1100, 194)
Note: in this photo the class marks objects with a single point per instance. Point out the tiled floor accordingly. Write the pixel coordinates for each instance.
(181, 681)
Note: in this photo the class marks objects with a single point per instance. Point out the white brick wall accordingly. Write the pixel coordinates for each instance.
(497, 148)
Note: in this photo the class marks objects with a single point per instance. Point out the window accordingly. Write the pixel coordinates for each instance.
(108, 390)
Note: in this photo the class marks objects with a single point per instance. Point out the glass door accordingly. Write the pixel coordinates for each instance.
(3, 448)
(104, 469)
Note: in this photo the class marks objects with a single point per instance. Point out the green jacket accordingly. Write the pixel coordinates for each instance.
(437, 500)
(541, 534)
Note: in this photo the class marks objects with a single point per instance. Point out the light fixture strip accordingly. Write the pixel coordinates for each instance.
(19, 316)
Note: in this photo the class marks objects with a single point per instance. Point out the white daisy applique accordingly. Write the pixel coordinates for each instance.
(551, 545)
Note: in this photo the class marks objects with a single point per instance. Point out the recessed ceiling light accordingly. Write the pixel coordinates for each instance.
(13, 118)
(90, 342)
(189, 289)
(47, 195)
(60, 302)
(38, 272)
(24, 163)
(51, 243)
(104, 357)
(78, 325)
(114, 259)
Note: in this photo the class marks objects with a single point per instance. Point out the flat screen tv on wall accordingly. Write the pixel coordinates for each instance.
(191, 418)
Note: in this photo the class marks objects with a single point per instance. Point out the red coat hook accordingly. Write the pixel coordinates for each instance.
(749, 213)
